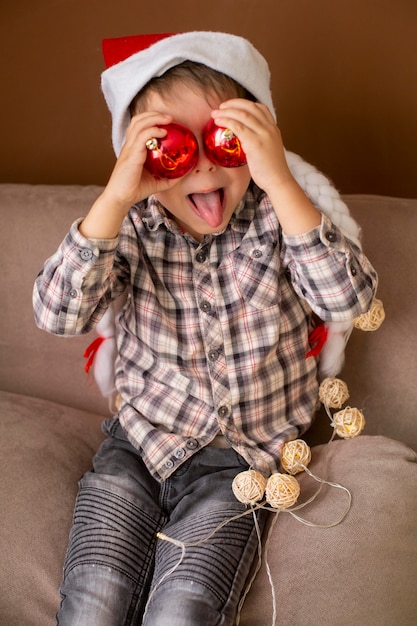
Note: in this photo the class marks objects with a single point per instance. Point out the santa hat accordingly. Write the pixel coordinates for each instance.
(133, 61)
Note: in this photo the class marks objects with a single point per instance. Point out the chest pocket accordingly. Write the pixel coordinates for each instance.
(257, 268)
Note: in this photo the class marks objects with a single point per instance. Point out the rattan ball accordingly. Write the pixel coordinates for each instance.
(372, 319)
(333, 392)
(295, 456)
(249, 487)
(282, 491)
(348, 422)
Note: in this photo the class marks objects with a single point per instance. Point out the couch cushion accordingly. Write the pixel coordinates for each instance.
(360, 572)
(44, 449)
(381, 366)
(35, 218)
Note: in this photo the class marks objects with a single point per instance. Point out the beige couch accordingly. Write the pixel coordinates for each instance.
(360, 572)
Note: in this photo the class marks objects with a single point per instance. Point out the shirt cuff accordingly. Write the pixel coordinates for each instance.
(101, 245)
(325, 234)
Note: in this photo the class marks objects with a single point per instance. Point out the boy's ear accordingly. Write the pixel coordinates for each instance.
(117, 49)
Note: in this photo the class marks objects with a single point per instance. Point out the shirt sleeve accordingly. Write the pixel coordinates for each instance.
(330, 272)
(76, 284)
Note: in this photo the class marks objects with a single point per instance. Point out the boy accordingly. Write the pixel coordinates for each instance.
(223, 268)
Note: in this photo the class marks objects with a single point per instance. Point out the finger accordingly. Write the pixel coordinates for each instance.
(256, 109)
(242, 125)
(244, 119)
(147, 125)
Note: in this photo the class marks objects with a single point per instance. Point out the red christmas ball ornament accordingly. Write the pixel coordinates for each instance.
(174, 155)
(222, 146)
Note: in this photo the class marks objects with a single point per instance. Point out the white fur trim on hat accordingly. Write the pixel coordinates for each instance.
(229, 54)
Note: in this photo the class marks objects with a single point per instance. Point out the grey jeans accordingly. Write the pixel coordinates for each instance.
(117, 572)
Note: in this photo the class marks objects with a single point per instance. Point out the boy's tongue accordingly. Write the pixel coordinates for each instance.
(209, 207)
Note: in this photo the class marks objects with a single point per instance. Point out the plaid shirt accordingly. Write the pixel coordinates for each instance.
(214, 335)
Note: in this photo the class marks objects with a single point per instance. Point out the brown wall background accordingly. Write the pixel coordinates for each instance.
(344, 82)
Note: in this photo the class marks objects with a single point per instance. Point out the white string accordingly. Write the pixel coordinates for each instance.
(269, 574)
(322, 482)
(258, 567)
(193, 544)
(180, 545)
(183, 545)
(325, 482)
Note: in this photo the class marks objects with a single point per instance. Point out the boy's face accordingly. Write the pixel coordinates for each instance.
(202, 201)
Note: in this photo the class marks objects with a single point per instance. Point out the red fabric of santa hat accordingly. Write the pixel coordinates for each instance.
(118, 49)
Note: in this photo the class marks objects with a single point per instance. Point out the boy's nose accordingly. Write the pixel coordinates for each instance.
(204, 164)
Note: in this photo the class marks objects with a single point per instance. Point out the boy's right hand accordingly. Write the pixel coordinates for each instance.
(129, 182)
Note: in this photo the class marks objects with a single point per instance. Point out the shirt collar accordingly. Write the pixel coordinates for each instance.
(153, 216)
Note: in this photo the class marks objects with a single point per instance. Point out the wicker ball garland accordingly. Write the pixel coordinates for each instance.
(249, 487)
(372, 319)
(348, 423)
(295, 456)
(333, 392)
(282, 491)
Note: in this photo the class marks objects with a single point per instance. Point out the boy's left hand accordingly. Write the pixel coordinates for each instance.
(254, 125)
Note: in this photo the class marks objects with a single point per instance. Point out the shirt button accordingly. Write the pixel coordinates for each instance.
(73, 293)
(331, 236)
(257, 254)
(192, 444)
(214, 355)
(179, 453)
(205, 306)
(86, 254)
(200, 256)
(169, 464)
(223, 411)
(353, 270)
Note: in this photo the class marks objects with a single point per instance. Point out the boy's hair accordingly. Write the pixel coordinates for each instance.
(193, 75)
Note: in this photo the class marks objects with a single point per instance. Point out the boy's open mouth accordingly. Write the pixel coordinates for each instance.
(209, 206)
